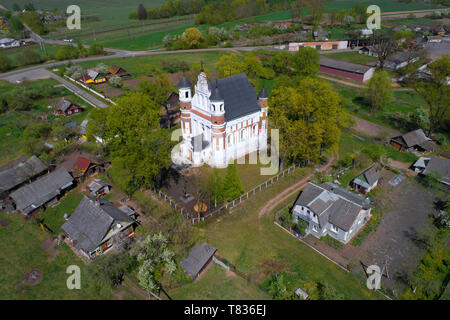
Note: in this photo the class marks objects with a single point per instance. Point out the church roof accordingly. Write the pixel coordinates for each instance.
(215, 94)
(238, 94)
(184, 83)
(263, 94)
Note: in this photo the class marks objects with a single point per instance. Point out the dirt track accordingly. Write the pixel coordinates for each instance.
(288, 192)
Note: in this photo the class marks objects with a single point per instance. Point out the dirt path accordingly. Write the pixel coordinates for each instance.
(288, 192)
(373, 129)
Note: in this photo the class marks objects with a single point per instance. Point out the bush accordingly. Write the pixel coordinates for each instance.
(116, 81)
(5, 63)
(66, 53)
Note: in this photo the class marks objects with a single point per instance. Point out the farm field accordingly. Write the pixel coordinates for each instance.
(248, 241)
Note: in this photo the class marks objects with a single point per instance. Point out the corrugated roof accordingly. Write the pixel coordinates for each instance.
(440, 165)
(343, 65)
(39, 192)
(20, 173)
(197, 258)
(91, 221)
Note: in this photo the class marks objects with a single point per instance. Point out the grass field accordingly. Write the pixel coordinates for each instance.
(351, 56)
(12, 122)
(144, 66)
(216, 284)
(246, 241)
(15, 54)
(20, 247)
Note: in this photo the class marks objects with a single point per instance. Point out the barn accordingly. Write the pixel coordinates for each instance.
(353, 71)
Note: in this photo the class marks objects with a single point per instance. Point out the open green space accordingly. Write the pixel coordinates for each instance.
(145, 65)
(246, 241)
(217, 284)
(351, 56)
(16, 54)
(21, 252)
(14, 122)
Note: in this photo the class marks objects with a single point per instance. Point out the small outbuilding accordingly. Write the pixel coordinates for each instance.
(414, 140)
(117, 71)
(99, 187)
(367, 180)
(197, 260)
(67, 107)
(441, 166)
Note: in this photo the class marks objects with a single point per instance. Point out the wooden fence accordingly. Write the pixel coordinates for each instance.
(229, 206)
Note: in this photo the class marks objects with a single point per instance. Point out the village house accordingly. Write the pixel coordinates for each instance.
(82, 165)
(17, 173)
(95, 224)
(198, 259)
(42, 193)
(367, 180)
(400, 60)
(92, 77)
(170, 114)
(66, 107)
(331, 210)
(99, 187)
(367, 51)
(117, 71)
(223, 120)
(414, 140)
(434, 39)
(318, 45)
(353, 71)
(9, 43)
(425, 166)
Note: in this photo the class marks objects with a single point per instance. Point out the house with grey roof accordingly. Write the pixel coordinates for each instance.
(95, 224)
(414, 140)
(400, 60)
(66, 106)
(13, 177)
(354, 71)
(331, 210)
(197, 260)
(42, 193)
(367, 180)
(98, 187)
(441, 166)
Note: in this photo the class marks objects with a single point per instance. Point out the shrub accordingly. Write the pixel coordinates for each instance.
(5, 63)
(116, 81)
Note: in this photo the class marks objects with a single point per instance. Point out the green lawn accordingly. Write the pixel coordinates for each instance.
(20, 252)
(216, 284)
(351, 56)
(53, 218)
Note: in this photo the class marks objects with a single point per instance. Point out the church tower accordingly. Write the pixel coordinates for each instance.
(263, 101)
(185, 96)
(218, 126)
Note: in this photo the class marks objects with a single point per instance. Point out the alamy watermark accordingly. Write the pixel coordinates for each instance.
(74, 20)
(374, 278)
(239, 154)
(374, 20)
(74, 280)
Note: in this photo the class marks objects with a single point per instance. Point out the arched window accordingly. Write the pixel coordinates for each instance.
(230, 139)
(243, 134)
(255, 130)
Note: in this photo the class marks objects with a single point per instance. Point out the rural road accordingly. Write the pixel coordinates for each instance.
(290, 191)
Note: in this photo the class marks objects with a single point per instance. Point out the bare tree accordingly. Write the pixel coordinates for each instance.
(383, 46)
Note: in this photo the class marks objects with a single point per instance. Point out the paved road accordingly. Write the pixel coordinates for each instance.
(79, 92)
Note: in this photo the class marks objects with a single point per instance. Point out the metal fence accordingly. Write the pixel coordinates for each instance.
(195, 218)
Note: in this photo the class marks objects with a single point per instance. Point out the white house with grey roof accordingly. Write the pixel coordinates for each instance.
(95, 224)
(330, 209)
(222, 121)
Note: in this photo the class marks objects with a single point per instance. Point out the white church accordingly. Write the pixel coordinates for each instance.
(221, 121)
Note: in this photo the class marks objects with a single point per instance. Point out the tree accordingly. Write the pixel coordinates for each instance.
(66, 53)
(96, 49)
(101, 68)
(141, 12)
(278, 288)
(229, 64)
(215, 187)
(375, 152)
(109, 269)
(5, 63)
(379, 90)
(31, 57)
(29, 7)
(232, 185)
(33, 21)
(96, 126)
(436, 92)
(309, 117)
(16, 7)
(154, 258)
(116, 81)
(383, 45)
(192, 38)
(140, 149)
(305, 62)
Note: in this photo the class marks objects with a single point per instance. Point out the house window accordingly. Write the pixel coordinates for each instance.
(334, 46)
(318, 47)
(229, 140)
(307, 211)
(334, 228)
(315, 228)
